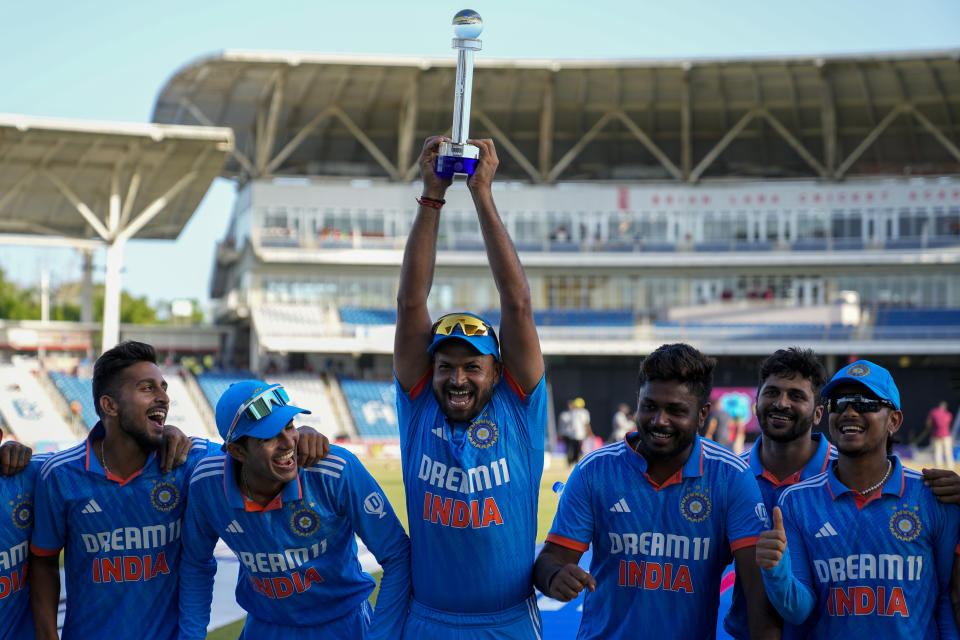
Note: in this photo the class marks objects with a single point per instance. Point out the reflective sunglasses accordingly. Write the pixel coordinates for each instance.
(260, 406)
(859, 403)
(469, 325)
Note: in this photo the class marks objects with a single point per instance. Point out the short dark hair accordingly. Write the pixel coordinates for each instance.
(109, 367)
(682, 363)
(792, 362)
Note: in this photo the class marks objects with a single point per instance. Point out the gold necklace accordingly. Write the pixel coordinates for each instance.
(103, 459)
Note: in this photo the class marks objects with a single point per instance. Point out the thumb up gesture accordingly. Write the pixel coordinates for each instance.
(773, 543)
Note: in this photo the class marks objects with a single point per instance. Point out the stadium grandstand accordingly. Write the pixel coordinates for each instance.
(741, 205)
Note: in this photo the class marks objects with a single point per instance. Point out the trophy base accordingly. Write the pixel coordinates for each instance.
(449, 166)
(456, 159)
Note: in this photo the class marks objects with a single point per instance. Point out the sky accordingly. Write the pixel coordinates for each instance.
(108, 60)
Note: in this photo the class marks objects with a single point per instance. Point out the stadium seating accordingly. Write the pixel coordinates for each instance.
(79, 390)
(29, 413)
(308, 391)
(919, 324)
(356, 315)
(182, 412)
(746, 331)
(214, 383)
(373, 407)
(289, 319)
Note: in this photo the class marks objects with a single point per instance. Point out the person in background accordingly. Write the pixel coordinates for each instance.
(622, 423)
(939, 421)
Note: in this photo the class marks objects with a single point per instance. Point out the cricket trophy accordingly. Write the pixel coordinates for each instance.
(458, 156)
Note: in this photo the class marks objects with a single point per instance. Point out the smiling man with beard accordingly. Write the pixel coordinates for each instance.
(864, 547)
(787, 451)
(663, 510)
(472, 413)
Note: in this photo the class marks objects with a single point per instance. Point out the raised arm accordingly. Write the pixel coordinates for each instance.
(410, 357)
(520, 345)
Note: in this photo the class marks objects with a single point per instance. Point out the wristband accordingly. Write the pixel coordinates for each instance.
(434, 203)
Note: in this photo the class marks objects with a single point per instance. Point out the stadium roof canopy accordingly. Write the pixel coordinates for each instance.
(828, 118)
(81, 180)
(83, 184)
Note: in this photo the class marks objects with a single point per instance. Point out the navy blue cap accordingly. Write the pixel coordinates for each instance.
(235, 396)
(870, 375)
(486, 345)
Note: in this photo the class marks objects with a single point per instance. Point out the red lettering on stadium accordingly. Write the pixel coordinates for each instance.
(13, 582)
(865, 601)
(652, 576)
(460, 513)
(284, 587)
(129, 568)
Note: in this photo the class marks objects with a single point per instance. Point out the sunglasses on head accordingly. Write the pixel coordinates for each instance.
(860, 404)
(259, 406)
(468, 325)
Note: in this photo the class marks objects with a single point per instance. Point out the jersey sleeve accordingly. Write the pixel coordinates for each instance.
(363, 501)
(197, 567)
(410, 406)
(49, 514)
(573, 525)
(789, 585)
(746, 515)
(944, 545)
(530, 410)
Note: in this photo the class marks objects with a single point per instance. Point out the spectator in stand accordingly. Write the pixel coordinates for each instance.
(622, 423)
(717, 427)
(939, 421)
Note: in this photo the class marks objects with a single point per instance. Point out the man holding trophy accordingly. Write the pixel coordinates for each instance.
(472, 410)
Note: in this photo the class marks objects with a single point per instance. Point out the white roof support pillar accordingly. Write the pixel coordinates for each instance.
(112, 287)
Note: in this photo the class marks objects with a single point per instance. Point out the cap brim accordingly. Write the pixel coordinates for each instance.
(486, 345)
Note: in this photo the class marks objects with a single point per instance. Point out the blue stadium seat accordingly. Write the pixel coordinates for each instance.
(357, 315)
(214, 383)
(373, 405)
(81, 390)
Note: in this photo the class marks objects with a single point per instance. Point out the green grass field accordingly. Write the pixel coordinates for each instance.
(387, 473)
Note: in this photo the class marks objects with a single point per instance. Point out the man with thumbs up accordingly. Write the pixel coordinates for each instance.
(865, 546)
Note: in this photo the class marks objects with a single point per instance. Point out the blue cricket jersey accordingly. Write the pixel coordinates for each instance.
(16, 496)
(298, 555)
(121, 541)
(735, 622)
(879, 567)
(472, 493)
(657, 550)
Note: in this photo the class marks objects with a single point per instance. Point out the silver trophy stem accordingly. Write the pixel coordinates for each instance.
(462, 95)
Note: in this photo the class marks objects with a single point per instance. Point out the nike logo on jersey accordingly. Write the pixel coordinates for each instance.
(826, 531)
(91, 507)
(620, 506)
(234, 527)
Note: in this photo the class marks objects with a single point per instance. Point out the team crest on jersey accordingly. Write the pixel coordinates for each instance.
(695, 506)
(482, 434)
(905, 525)
(22, 512)
(164, 496)
(858, 370)
(304, 522)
